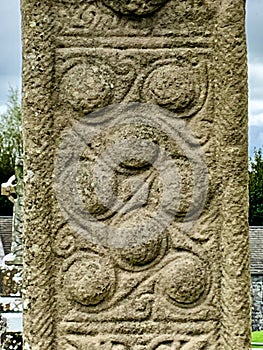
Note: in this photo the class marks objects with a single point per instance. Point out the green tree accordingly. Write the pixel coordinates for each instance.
(10, 144)
(256, 189)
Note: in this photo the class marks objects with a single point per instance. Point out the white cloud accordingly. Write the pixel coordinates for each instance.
(255, 136)
(256, 119)
(255, 112)
(255, 103)
(255, 79)
(255, 70)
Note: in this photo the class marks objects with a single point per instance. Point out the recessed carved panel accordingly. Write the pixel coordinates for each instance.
(179, 82)
(136, 186)
(129, 18)
(148, 342)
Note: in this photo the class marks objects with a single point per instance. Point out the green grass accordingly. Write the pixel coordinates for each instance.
(257, 337)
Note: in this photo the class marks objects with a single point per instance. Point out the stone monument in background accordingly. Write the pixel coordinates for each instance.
(14, 189)
(135, 125)
(12, 267)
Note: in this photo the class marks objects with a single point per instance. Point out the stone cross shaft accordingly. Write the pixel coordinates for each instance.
(135, 134)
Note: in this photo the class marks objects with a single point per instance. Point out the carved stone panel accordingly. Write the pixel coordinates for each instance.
(135, 123)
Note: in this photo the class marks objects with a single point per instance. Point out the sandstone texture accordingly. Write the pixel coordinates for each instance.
(135, 132)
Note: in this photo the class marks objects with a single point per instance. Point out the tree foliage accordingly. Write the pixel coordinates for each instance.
(256, 189)
(10, 144)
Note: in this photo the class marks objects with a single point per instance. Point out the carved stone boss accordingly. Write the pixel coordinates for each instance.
(136, 236)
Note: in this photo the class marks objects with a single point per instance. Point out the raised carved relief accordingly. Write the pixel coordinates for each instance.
(179, 87)
(101, 289)
(93, 343)
(179, 343)
(94, 17)
(136, 18)
(148, 342)
(119, 183)
(178, 83)
(90, 82)
(89, 279)
(184, 280)
(135, 7)
(131, 180)
(117, 188)
(65, 242)
(86, 87)
(144, 256)
(137, 251)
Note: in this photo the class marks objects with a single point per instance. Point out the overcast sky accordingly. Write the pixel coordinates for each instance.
(10, 48)
(10, 61)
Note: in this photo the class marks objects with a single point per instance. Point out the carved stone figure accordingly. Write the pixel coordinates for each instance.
(135, 125)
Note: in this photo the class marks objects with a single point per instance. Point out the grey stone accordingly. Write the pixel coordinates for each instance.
(135, 125)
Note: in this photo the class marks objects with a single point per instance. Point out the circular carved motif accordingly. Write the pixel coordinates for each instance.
(136, 7)
(125, 170)
(86, 86)
(142, 256)
(64, 243)
(170, 86)
(89, 280)
(185, 280)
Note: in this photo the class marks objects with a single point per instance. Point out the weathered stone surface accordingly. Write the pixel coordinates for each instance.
(135, 125)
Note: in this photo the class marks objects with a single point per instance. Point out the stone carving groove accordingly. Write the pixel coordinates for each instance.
(165, 342)
(39, 304)
(236, 86)
(135, 163)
